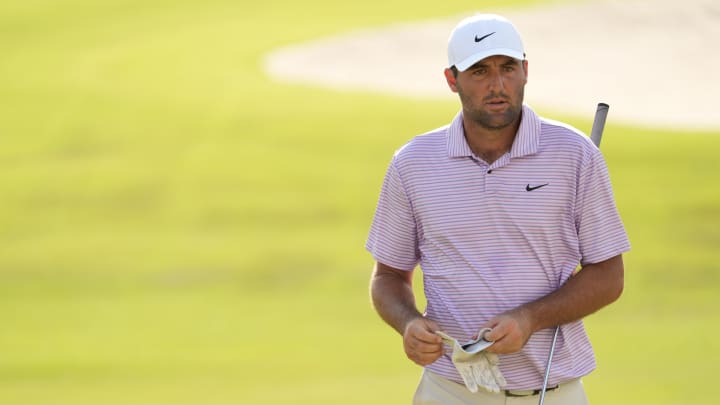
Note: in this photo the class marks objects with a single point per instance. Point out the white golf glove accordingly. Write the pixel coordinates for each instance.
(476, 367)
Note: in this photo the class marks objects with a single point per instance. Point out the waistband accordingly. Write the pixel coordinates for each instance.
(446, 382)
(527, 393)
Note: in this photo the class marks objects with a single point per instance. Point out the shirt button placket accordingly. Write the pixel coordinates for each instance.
(493, 181)
(485, 170)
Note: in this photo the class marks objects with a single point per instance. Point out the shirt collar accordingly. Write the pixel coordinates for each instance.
(457, 145)
(526, 141)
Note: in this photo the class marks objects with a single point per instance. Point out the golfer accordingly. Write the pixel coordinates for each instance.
(500, 209)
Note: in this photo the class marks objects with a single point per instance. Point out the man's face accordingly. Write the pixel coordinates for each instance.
(492, 90)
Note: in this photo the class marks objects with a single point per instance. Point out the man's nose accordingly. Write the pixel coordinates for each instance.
(496, 81)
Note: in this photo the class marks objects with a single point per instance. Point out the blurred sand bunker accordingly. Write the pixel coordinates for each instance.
(654, 61)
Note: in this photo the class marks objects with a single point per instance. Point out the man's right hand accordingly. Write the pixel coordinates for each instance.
(422, 345)
(392, 295)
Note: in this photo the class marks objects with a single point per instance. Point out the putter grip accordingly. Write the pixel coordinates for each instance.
(599, 123)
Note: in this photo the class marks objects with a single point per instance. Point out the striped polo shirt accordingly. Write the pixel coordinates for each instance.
(489, 238)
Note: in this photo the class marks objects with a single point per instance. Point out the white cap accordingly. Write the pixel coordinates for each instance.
(477, 37)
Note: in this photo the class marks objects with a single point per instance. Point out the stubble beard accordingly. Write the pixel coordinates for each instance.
(493, 121)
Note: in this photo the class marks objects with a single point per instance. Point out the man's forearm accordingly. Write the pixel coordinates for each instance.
(594, 287)
(392, 296)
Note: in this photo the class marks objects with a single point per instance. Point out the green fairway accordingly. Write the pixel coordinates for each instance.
(176, 228)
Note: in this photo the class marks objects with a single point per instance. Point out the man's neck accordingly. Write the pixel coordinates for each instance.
(489, 144)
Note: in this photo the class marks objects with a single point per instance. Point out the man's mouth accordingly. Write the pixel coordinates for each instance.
(496, 103)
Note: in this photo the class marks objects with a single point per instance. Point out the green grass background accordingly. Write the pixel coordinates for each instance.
(177, 228)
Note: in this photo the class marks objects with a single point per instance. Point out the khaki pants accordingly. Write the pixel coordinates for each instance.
(437, 390)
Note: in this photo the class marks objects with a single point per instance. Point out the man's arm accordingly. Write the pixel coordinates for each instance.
(393, 298)
(594, 287)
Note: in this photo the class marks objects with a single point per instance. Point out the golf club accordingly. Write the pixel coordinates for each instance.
(595, 135)
(599, 123)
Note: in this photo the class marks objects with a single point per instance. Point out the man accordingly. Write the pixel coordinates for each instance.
(499, 208)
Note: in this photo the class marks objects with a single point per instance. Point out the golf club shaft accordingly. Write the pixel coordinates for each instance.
(595, 135)
(549, 363)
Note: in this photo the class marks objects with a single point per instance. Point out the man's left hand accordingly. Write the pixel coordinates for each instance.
(509, 330)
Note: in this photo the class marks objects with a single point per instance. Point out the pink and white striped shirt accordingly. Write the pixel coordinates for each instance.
(489, 238)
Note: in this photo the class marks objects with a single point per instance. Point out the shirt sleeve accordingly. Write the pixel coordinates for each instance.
(393, 233)
(601, 233)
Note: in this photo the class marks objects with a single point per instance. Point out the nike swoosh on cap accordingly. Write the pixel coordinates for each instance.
(482, 37)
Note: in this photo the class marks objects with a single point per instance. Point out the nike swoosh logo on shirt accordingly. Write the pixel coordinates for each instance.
(528, 188)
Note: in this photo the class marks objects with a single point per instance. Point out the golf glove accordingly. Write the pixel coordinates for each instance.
(476, 367)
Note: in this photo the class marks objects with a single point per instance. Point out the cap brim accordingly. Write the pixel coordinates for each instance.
(473, 59)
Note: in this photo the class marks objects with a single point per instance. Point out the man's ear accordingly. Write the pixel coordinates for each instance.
(525, 68)
(451, 80)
